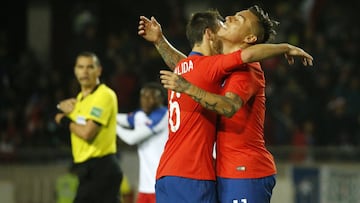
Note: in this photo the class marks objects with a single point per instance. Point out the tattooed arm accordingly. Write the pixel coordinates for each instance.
(226, 105)
(170, 55)
(151, 31)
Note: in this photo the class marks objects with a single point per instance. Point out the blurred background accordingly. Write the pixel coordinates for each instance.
(313, 113)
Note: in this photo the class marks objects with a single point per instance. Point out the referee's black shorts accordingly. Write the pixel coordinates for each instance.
(99, 180)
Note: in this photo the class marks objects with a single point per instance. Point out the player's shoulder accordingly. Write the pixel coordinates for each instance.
(254, 65)
(161, 111)
(158, 113)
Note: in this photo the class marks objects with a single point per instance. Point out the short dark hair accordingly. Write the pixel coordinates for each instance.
(266, 24)
(199, 22)
(92, 55)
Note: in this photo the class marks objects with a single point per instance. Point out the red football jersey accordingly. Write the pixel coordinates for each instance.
(192, 128)
(241, 151)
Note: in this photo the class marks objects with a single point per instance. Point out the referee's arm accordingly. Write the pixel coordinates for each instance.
(87, 131)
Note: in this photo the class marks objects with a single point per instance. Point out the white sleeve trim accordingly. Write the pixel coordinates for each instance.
(133, 136)
(121, 119)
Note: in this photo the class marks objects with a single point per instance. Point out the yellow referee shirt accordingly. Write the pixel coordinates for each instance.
(101, 107)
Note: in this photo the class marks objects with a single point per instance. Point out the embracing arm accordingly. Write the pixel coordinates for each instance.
(260, 52)
(226, 105)
(254, 53)
(151, 31)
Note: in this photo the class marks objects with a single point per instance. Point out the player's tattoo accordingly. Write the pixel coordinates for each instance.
(198, 97)
(182, 84)
(235, 102)
(231, 112)
(224, 105)
(170, 57)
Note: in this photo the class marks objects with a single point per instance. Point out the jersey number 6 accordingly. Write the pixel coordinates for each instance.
(174, 112)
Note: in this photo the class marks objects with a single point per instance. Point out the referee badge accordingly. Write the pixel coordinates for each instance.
(95, 111)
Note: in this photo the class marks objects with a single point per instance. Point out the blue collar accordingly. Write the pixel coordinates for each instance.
(195, 53)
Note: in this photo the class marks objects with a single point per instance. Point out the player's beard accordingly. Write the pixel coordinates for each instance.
(217, 47)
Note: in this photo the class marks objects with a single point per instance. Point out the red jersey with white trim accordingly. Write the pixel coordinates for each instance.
(241, 151)
(188, 151)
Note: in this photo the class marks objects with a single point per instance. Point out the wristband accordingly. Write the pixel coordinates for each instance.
(65, 122)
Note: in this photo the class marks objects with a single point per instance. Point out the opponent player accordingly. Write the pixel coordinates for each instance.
(245, 168)
(186, 166)
(149, 131)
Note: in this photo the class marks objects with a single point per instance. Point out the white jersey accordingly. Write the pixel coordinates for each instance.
(150, 133)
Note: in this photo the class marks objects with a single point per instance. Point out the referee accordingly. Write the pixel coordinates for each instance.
(91, 119)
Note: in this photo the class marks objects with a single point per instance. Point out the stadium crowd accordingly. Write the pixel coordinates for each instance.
(316, 106)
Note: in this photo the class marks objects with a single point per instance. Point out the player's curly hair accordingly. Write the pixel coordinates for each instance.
(199, 22)
(266, 25)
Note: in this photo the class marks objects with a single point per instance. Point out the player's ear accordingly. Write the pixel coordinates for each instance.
(210, 35)
(100, 70)
(250, 39)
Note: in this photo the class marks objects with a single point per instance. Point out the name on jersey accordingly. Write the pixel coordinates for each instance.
(184, 67)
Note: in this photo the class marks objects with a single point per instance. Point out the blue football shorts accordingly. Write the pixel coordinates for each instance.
(185, 190)
(250, 190)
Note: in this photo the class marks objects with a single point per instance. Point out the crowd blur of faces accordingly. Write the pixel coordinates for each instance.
(306, 106)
